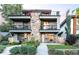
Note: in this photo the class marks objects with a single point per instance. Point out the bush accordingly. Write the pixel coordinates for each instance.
(55, 52)
(31, 43)
(1, 37)
(28, 50)
(31, 50)
(5, 38)
(76, 44)
(14, 43)
(14, 50)
(4, 42)
(2, 48)
(71, 40)
(23, 50)
(71, 52)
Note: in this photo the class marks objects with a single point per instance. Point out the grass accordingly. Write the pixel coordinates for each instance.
(60, 47)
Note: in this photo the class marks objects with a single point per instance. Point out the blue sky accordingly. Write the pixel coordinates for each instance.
(51, 6)
(54, 7)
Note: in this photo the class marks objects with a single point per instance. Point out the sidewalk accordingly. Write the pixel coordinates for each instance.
(42, 49)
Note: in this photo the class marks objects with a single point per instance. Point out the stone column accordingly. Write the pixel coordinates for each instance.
(35, 25)
(42, 37)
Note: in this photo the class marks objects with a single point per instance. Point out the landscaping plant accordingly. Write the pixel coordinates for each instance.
(2, 48)
(71, 39)
(23, 50)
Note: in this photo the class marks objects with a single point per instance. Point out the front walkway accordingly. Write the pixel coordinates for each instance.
(7, 50)
(42, 49)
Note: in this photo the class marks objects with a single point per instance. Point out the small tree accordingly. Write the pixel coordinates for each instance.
(67, 28)
(9, 9)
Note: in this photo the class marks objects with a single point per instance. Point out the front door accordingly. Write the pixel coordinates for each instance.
(48, 38)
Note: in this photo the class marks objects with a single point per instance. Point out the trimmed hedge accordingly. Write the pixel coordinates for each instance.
(23, 50)
(55, 52)
(63, 52)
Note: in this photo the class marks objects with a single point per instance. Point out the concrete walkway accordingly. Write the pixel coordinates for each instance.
(42, 49)
(7, 50)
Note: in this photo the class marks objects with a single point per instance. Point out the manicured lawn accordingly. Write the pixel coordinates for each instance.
(60, 47)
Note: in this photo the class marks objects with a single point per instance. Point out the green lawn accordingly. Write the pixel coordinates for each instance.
(60, 47)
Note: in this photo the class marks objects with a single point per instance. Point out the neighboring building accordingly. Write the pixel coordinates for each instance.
(4, 33)
(39, 24)
(74, 24)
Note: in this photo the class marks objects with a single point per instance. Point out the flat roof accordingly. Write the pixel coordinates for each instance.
(37, 10)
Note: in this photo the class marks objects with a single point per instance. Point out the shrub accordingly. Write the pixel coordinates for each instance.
(71, 40)
(14, 50)
(70, 52)
(14, 43)
(78, 52)
(1, 37)
(23, 50)
(4, 42)
(31, 50)
(2, 48)
(28, 50)
(5, 38)
(55, 52)
(31, 43)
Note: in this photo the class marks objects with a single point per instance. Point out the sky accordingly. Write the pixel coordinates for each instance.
(51, 6)
(54, 7)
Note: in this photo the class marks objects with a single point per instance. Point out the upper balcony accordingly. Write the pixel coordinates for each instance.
(53, 15)
(20, 28)
(21, 18)
(49, 28)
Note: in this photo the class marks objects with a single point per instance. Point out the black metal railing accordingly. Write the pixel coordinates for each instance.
(49, 27)
(20, 27)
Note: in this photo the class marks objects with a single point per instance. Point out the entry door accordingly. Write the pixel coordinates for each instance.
(51, 37)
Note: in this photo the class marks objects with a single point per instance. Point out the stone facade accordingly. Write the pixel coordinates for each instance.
(35, 25)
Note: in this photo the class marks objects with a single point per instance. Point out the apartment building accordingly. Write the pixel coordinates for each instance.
(40, 24)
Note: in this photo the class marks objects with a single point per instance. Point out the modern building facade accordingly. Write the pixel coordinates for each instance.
(40, 24)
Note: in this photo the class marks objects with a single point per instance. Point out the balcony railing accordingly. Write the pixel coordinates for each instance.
(54, 13)
(20, 27)
(49, 27)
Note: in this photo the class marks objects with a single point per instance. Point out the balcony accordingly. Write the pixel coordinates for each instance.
(49, 28)
(20, 28)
